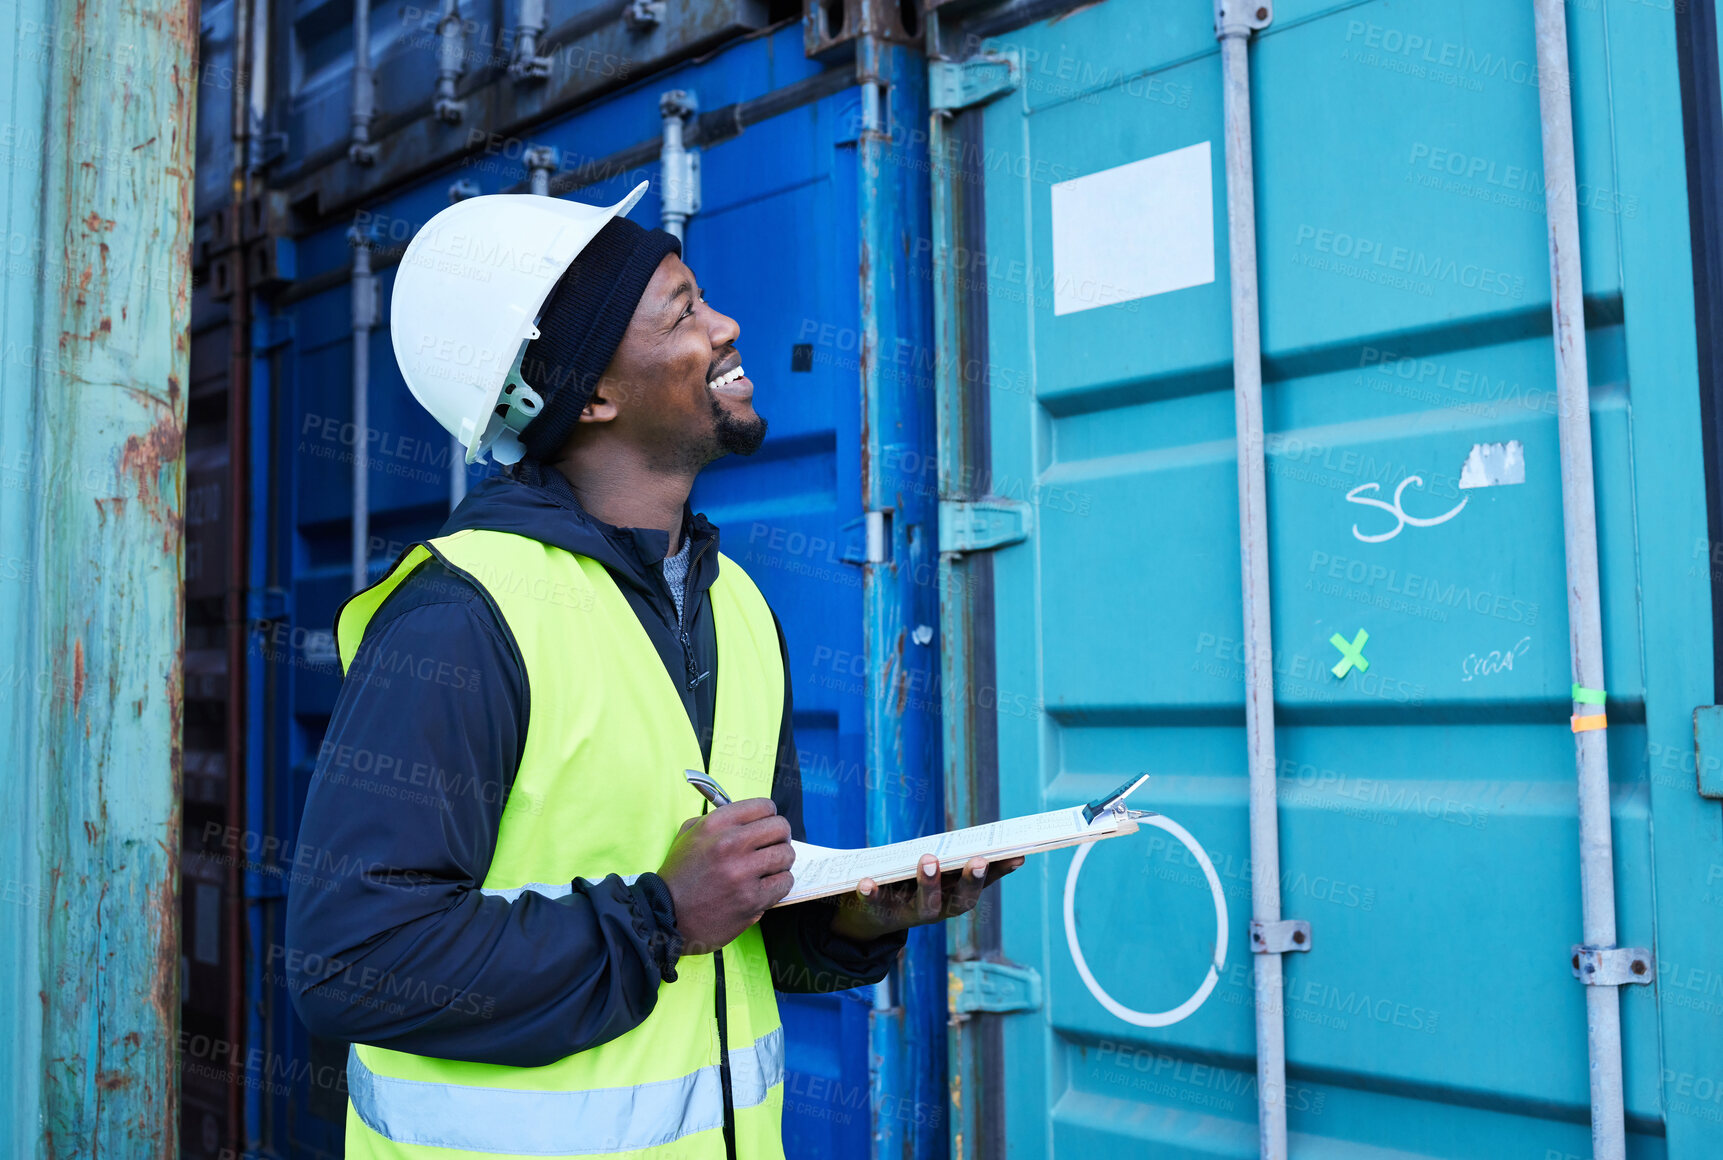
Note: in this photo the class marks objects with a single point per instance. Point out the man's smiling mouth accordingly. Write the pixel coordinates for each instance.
(726, 378)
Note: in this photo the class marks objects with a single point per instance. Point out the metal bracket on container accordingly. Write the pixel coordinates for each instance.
(1279, 938)
(978, 985)
(529, 65)
(644, 15)
(678, 164)
(959, 84)
(975, 525)
(1708, 750)
(1241, 17)
(1612, 966)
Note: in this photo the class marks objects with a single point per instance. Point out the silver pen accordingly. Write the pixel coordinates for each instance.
(709, 789)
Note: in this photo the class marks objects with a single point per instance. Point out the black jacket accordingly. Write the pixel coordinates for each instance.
(389, 941)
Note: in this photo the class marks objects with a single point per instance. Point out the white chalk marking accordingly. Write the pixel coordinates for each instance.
(1394, 509)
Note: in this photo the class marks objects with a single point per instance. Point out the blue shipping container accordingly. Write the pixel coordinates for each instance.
(1427, 801)
(778, 244)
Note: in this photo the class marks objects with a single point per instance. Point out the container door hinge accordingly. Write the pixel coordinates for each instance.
(979, 985)
(974, 525)
(1279, 938)
(960, 84)
(866, 539)
(1708, 750)
(1612, 966)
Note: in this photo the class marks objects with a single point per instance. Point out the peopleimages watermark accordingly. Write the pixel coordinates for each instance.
(301, 863)
(344, 980)
(1166, 859)
(1429, 591)
(1433, 381)
(1398, 267)
(1189, 1082)
(1486, 179)
(899, 360)
(1423, 57)
(1010, 277)
(1393, 797)
(1297, 674)
(416, 782)
(210, 1057)
(1060, 72)
(482, 44)
(1309, 1000)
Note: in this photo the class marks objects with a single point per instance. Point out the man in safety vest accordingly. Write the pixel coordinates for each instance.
(506, 894)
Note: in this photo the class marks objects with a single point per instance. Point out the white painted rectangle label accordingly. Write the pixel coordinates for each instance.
(1142, 228)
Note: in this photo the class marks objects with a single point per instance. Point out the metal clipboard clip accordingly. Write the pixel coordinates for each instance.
(1115, 802)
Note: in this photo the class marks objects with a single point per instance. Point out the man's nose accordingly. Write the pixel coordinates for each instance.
(725, 330)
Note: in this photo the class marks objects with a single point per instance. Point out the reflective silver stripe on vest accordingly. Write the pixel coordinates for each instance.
(548, 889)
(534, 1123)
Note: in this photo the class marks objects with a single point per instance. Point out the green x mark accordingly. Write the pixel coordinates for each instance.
(1351, 655)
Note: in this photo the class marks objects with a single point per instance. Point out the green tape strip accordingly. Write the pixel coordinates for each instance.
(1587, 696)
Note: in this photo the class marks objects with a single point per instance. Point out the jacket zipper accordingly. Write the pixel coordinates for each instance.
(682, 628)
(688, 660)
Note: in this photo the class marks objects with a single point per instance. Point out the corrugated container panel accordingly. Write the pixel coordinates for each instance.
(1427, 802)
(590, 48)
(776, 245)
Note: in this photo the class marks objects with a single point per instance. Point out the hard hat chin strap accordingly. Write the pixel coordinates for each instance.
(516, 406)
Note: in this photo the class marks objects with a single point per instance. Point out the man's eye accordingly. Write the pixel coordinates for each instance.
(690, 308)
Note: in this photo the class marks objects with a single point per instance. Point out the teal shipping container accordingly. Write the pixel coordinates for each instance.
(1425, 707)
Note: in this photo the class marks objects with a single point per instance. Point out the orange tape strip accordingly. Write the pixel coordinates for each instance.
(1587, 724)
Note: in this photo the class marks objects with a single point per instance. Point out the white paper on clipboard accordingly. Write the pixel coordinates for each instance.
(821, 871)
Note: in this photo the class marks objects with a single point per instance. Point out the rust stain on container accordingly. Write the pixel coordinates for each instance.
(898, 674)
(145, 456)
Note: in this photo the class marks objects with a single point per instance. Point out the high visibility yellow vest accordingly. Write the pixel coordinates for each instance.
(600, 790)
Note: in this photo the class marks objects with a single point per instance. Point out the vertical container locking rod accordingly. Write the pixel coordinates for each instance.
(364, 319)
(1579, 526)
(1234, 22)
(361, 150)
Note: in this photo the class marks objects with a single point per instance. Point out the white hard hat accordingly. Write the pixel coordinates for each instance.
(466, 303)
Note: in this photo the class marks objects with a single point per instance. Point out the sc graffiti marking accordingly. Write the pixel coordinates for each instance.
(1394, 509)
(1495, 662)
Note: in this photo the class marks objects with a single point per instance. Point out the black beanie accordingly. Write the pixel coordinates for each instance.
(583, 322)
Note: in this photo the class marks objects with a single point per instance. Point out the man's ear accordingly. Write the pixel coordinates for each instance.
(606, 400)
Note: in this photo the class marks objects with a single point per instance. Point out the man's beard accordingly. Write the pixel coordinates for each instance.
(734, 435)
(730, 435)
